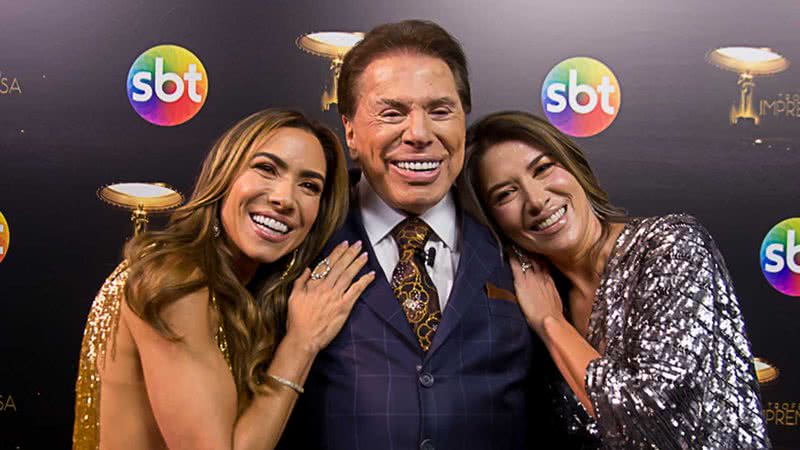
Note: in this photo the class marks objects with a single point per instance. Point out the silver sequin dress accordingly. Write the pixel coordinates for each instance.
(676, 370)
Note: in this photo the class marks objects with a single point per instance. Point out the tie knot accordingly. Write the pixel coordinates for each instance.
(411, 234)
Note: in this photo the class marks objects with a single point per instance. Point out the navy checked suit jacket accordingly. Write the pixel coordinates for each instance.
(373, 388)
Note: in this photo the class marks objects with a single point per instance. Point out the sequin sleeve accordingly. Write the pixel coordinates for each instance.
(98, 339)
(685, 341)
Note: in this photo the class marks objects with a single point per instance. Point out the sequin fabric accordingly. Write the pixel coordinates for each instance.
(101, 326)
(676, 370)
(411, 283)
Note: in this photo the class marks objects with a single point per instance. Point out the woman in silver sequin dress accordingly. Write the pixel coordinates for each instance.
(204, 335)
(638, 314)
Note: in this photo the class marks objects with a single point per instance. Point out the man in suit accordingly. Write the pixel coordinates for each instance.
(436, 353)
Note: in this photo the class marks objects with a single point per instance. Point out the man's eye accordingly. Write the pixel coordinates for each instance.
(391, 113)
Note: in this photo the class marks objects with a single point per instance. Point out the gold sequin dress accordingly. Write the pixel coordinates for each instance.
(101, 327)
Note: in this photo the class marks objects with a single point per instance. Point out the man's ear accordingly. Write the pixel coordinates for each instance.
(349, 137)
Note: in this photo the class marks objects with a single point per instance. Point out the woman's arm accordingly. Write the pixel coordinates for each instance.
(317, 311)
(541, 304)
(190, 387)
(683, 350)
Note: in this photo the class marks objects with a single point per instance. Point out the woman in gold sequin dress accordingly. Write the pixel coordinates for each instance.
(649, 339)
(204, 335)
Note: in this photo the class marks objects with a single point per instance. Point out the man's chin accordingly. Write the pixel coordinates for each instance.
(416, 205)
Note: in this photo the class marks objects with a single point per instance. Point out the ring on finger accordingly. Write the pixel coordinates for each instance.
(321, 272)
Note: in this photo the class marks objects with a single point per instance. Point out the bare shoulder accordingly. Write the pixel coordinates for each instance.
(190, 317)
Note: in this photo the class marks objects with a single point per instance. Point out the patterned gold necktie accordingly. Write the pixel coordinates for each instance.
(411, 283)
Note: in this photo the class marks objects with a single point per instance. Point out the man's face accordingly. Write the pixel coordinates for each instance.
(408, 131)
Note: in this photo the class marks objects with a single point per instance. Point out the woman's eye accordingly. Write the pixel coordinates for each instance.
(502, 196)
(314, 188)
(266, 168)
(542, 168)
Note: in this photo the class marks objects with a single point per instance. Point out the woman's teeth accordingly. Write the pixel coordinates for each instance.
(418, 166)
(270, 223)
(551, 220)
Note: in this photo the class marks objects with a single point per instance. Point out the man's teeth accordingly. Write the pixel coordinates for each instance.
(272, 224)
(551, 220)
(419, 165)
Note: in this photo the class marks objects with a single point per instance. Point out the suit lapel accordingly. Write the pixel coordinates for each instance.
(378, 296)
(479, 259)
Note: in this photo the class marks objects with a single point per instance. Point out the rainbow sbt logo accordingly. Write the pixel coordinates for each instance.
(5, 237)
(167, 85)
(581, 96)
(779, 257)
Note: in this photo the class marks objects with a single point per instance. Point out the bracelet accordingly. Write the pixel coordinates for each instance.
(290, 384)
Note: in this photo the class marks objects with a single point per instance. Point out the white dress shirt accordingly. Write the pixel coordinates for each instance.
(379, 220)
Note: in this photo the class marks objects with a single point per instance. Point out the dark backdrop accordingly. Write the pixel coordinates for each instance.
(71, 130)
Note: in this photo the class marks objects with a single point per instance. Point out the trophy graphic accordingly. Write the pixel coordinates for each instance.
(765, 372)
(332, 45)
(748, 62)
(141, 199)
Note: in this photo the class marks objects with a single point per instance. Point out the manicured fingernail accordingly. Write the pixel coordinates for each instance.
(363, 255)
(344, 244)
(357, 244)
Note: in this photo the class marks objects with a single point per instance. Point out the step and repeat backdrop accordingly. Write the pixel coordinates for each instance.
(681, 106)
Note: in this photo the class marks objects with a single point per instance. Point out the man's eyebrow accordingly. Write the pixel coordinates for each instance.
(442, 101)
(392, 103)
(432, 103)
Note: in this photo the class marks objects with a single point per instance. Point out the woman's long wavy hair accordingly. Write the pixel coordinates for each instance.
(186, 256)
(524, 127)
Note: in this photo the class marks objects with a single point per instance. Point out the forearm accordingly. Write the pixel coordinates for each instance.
(261, 425)
(571, 354)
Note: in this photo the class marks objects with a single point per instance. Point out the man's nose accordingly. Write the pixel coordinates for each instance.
(418, 133)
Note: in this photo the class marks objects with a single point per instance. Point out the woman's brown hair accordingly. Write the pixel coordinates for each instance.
(186, 256)
(524, 127)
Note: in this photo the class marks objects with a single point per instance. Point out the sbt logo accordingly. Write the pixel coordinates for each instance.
(581, 96)
(143, 92)
(779, 256)
(167, 85)
(5, 237)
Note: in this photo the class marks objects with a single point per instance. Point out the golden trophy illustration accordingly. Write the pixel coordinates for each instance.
(332, 45)
(765, 372)
(748, 62)
(141, 199)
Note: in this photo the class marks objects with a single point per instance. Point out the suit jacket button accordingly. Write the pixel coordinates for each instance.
(426, 380)
(427, 444)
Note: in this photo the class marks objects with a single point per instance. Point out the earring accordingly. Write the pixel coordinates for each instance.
(215, 229)
(524, 263)
(290, 265)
